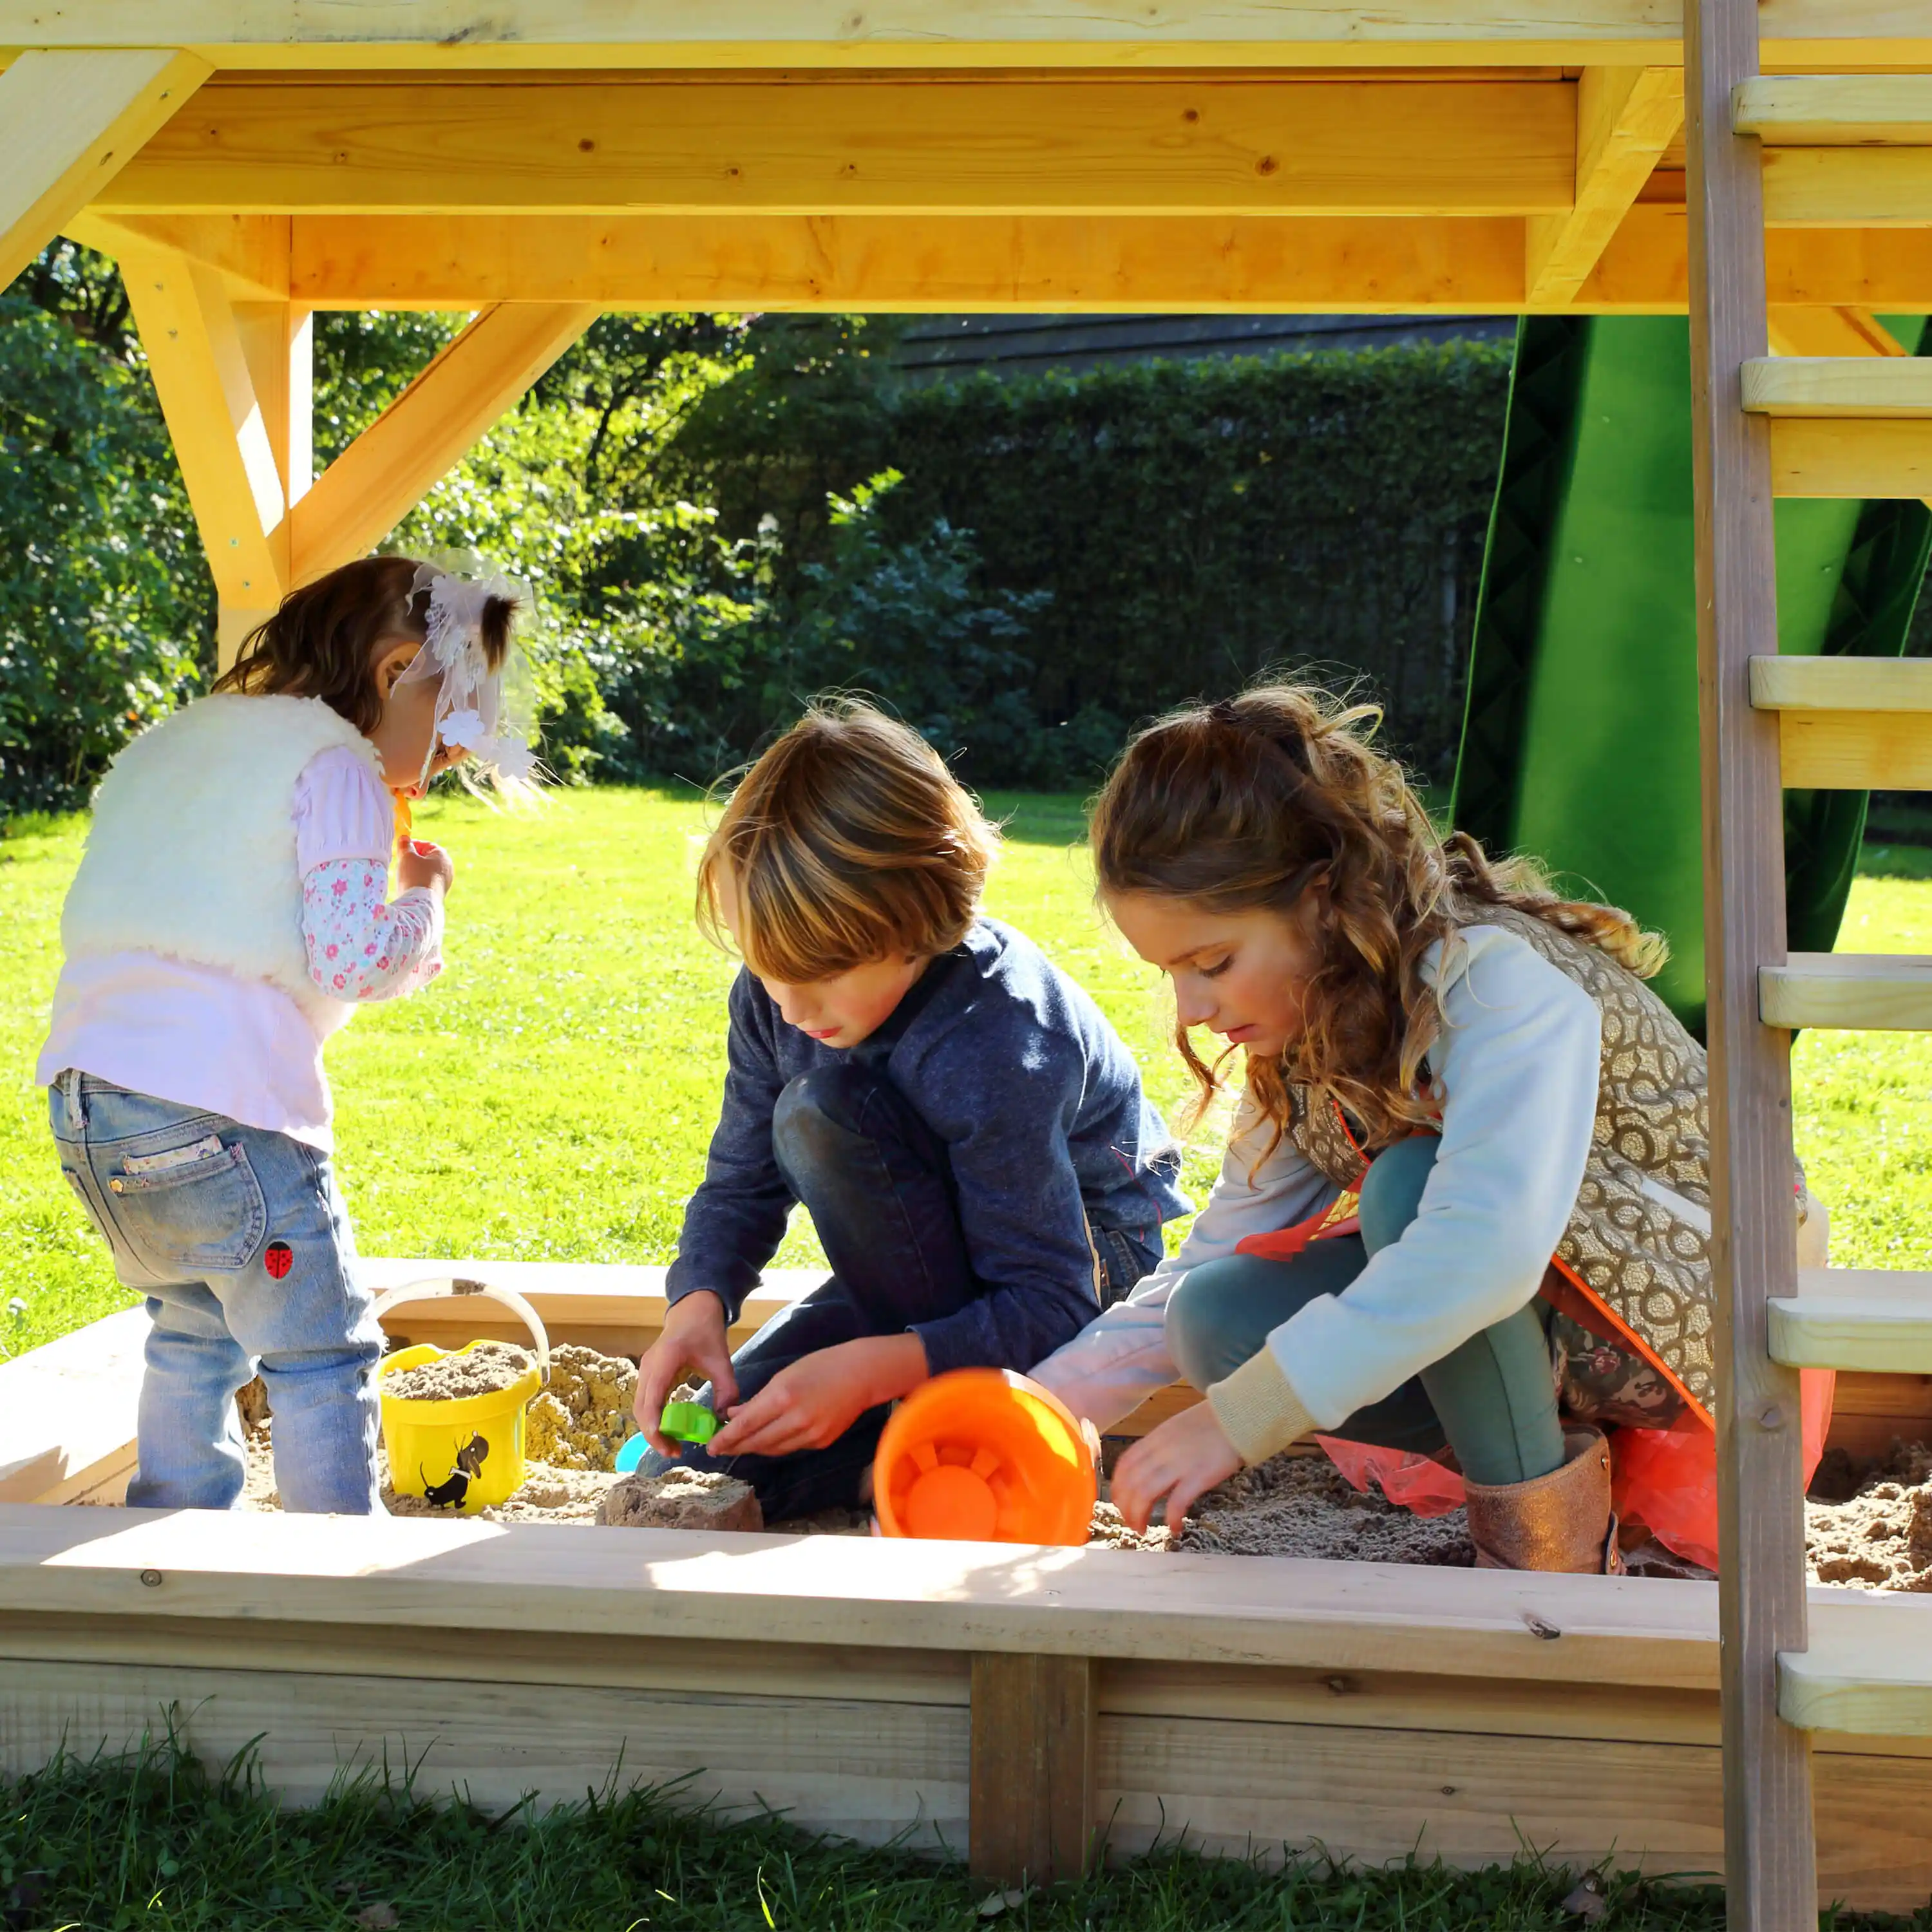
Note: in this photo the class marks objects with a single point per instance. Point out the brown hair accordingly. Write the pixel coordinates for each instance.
(322, 642)
(1257, 800)
(848, 841)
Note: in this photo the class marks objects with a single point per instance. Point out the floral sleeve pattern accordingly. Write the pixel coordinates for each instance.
(360, 946)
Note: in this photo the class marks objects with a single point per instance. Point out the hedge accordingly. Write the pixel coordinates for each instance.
(1192, 524)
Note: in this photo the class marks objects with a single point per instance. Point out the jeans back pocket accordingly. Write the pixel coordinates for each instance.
(191, 1208)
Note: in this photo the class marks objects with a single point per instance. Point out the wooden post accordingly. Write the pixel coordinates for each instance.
(1770, 1863)
(1032, 1780)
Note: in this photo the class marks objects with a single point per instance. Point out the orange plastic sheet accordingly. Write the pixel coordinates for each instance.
(1664, 1480)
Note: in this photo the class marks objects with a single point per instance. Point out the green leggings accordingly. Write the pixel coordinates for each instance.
(1493, 1399)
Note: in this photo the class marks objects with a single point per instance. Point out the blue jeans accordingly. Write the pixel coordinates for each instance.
(1493, 1399)
(240, 1240)
(878, 1185)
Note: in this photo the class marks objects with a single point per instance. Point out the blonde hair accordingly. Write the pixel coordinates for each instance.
(1255, 801)
(848, 841)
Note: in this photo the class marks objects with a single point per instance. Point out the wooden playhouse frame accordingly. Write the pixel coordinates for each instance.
(1766, 167)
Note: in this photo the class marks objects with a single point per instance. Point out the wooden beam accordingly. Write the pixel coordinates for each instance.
(1626, 117)
(915, 264)
(1121, 145)
(221, 434)
(1854, 751)
(1848, 187)
(381, 477)
(1826, 35)
(1031, 1811)
(1770, 1862)
(69, 123)
(1841, 332)
(1822, 456)
(249, 252)
(1877, 992)
(780, 34)
(1026, 264)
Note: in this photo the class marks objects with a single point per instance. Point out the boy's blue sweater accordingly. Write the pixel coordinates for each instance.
(1039, 1105)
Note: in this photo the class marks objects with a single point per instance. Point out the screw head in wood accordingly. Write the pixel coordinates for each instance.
(151, 1579)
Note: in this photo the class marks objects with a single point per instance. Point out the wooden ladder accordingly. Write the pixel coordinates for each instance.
(1855, 150)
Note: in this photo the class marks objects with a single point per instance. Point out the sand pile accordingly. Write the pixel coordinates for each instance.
(484, 1368)
(581, 1419)
(1300, 1506)
(1871, 1527)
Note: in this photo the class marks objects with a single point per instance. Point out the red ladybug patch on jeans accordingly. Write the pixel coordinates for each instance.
(278, 1258)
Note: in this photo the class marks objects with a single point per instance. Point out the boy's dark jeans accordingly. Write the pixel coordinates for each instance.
(876, 1181)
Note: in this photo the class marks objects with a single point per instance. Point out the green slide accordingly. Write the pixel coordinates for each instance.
(1579, 742)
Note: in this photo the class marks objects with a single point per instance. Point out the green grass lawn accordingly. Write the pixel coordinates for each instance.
(164, 1849)
(552, 1095)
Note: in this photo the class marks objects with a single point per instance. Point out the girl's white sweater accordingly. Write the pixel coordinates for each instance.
(1517, 1063)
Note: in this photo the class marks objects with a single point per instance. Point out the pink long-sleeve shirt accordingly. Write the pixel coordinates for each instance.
(204, 1037)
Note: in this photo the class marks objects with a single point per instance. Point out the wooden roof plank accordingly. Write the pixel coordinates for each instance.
(1126, 146)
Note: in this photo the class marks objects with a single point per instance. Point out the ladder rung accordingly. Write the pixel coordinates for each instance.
(1849, 723)
(1841, 684)
(1877, 1321)
(1831, 110)
(1868, 1670)
(1838, 385)
(1878, 992)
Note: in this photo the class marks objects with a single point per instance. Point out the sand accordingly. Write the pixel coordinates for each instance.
(484, 1368)
(1872, 1529)
(581, 1418)
(1867, 1527)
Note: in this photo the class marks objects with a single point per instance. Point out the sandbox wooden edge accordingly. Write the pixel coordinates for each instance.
(1032, 1707)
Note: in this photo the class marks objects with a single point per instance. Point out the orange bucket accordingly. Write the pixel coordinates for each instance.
(985, 1456)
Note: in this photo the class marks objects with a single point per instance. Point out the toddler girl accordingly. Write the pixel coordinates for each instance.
(230, 912)
(1470, 1169)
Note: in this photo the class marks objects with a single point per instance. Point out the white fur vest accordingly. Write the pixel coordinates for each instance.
(192, 852)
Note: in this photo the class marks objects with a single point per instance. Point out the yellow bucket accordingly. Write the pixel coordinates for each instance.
(464, 1453)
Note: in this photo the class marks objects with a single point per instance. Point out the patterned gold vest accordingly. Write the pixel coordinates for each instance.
(1636, 1249)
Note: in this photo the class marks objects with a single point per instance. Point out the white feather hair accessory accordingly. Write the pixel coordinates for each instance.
(489, 714)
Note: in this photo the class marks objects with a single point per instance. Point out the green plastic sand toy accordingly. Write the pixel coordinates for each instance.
(688, 1422)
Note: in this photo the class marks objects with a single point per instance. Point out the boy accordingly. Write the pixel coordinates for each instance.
(966, 1130)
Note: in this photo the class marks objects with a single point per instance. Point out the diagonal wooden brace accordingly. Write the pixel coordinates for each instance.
(381, 477)
(1626, 117)
(69, 122)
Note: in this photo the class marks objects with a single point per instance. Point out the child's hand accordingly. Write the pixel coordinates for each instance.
(819, 1397)
(1182, 1460)
(420, 863)
(694, 1338)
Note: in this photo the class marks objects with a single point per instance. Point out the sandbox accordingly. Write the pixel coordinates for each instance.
(1028, 1706)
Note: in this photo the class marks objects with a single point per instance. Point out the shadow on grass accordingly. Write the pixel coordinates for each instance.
(157, 1840)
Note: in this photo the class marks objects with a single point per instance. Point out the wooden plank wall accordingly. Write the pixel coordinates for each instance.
(875, 1744)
